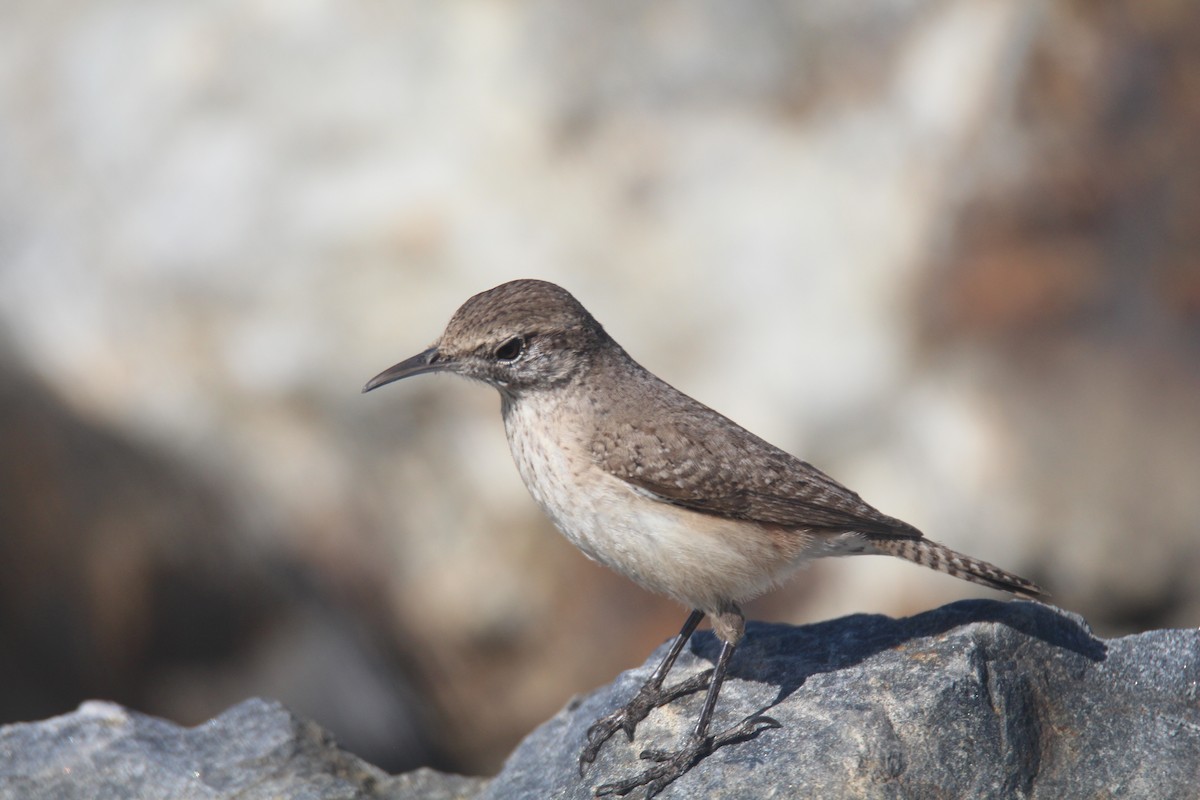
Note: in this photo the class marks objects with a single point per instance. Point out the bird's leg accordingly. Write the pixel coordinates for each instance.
(649, 697)
(672, 764)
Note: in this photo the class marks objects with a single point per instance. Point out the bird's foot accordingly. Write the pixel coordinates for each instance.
(672, 764)
(648, 698)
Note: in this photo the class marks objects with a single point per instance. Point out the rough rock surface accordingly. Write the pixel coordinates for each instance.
(977, 699)
(256, 750)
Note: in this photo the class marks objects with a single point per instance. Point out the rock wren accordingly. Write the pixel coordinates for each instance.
(660, 488)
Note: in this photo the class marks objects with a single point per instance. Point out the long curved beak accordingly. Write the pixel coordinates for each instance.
(422, 362)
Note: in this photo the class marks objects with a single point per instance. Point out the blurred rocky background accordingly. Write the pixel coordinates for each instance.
(948, 250)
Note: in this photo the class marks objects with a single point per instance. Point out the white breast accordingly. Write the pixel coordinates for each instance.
(554, 464)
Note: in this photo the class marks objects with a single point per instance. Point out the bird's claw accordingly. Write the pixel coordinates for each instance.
(670, 765)
(626, 719)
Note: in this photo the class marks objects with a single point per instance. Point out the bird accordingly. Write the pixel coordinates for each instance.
(662, 489)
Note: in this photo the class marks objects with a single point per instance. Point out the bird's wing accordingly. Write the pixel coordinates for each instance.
(707, 466)
(817, 511)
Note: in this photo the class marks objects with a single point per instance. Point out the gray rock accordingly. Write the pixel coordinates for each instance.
(254, 751)
(977, 699)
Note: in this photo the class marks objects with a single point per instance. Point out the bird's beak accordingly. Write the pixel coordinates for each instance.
(426, 361)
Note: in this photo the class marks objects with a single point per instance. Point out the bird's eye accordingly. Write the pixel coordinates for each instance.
(511, 350)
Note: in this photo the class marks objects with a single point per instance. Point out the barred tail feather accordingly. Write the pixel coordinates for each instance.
(941, 558)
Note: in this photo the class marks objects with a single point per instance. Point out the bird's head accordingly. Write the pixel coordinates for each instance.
(521, 335)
